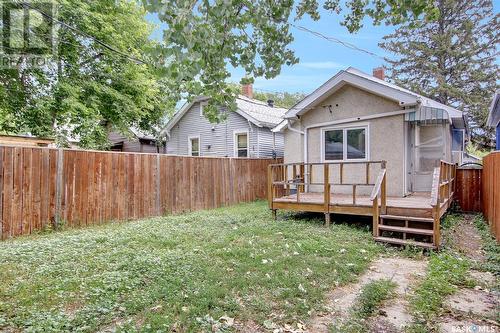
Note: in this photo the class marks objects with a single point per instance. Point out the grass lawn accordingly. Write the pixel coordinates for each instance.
(178, 272)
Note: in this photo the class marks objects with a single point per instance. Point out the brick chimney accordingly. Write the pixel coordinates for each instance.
(379, 73)
(247, 90)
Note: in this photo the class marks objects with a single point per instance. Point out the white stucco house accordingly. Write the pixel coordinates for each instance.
(355, 116)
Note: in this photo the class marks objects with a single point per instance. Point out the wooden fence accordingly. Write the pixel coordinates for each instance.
(468, 189)
(43, 186)
(491, 191)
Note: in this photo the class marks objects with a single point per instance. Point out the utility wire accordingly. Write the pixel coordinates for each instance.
(335, 40)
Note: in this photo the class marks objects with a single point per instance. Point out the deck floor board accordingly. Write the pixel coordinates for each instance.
(417, 200)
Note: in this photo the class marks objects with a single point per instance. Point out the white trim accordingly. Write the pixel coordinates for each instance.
(190, 152)
(364, 126)
(235, 141)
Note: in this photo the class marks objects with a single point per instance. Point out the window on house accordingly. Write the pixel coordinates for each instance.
(202, 105)
(194, 146)
(241, 144)
(345, 144)
(458, 140)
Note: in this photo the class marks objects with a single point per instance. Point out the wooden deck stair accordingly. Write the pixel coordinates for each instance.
(408, 228)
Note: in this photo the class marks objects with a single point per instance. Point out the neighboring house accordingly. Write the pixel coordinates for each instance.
(136, 141)
(244, 133)
(359, 117)
(494, 117)
(26, 140)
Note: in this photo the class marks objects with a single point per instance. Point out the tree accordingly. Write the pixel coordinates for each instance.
(452, 59)
(281, 99)
(87, 89)
(202, 39)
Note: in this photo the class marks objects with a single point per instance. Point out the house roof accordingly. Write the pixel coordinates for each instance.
(372, 84)
(255, 111)
(494, 115)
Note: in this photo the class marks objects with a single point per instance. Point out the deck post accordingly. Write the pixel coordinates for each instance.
(326, 193)
(383, 188)
(270, 186)
(437, 227)
(375, 217)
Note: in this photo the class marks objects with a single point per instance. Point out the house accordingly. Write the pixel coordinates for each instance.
(136, 141)
(494, 117)
(244, 133)
(357, 117)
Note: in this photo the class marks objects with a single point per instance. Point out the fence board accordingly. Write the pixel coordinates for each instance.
(44, 186)
(491, 192)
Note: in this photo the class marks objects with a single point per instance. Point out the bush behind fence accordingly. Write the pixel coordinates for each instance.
(41, 187)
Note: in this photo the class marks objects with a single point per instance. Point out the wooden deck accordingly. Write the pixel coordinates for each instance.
(413, 220)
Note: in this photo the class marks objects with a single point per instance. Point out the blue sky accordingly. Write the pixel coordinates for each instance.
(319, 58)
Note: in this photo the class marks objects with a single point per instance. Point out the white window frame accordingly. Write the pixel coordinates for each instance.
(344, 129)
(190, 151)
(235, 141)
(202, 105)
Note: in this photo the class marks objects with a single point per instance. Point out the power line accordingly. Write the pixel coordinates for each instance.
(103, 44)
(335, 40)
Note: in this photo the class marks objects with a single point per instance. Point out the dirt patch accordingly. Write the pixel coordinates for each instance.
(391, 316)
(464, 238)
(484, 279)
(452, 324)
(476, 302)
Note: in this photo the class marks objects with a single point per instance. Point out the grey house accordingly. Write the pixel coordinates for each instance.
(245, 132)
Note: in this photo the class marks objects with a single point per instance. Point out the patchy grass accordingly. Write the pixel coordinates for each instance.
(177, 272)
(371, 297)
(447, 271)
(490, 246)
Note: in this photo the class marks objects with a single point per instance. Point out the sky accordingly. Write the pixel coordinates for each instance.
(321, 59)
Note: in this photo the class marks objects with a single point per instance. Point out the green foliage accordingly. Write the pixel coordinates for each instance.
(87, 90)
(490, 246)
(178, 272)
(204, 39)
(281, 99)
(372, 295)
(446, 271)
(451, 59)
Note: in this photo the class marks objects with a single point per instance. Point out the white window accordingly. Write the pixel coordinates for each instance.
(194, 146)
(345, 144)
(241, 143)
(202, 105)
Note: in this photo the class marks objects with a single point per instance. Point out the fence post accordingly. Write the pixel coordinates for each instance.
(158, 208)
(59, 191)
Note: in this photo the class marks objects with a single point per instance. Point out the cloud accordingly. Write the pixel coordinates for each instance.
(321, 65)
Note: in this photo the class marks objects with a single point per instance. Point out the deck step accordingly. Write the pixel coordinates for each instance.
(406, 230)
(404, 242)
(407, 218)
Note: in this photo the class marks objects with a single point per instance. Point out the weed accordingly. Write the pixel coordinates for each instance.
(371, 297)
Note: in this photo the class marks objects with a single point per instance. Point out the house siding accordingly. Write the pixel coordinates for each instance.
(131, 145)
(385, 136)
(220, 137)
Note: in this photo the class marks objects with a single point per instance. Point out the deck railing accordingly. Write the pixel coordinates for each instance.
(299, 177)
(379, 193)
(443, 189)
